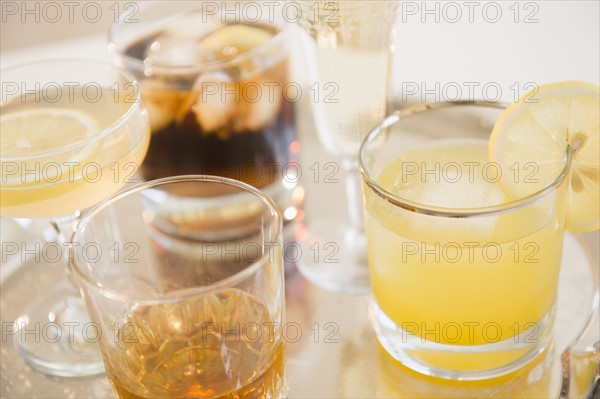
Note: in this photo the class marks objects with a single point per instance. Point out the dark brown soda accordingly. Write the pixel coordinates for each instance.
(254, 155)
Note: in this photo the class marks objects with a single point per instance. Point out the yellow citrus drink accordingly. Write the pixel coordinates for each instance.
(466, 208)
(463, 281)
(62, 156)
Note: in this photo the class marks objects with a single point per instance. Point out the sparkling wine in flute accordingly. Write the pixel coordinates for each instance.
(347, 46)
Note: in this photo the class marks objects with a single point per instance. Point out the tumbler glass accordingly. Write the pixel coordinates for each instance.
(183, 281)
(464, 277)
(215, 78)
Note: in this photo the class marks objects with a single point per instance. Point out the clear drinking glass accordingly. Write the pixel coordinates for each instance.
(215, 79)
(348, 46)
(73, 133)
(183, 280)
(464, 278)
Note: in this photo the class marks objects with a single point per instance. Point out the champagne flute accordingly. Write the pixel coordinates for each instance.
(348, 48)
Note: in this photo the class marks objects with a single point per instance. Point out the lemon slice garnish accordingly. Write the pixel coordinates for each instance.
(234, 39)
(530, 140)
(32, 138)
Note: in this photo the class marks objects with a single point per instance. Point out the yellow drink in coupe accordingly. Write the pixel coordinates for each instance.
(58, 157)
(463, 281)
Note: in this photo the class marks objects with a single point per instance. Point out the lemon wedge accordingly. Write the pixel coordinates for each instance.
(234, 39)
(37, 136)
(530, 139)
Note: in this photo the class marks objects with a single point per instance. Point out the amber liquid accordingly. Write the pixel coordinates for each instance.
(219, 346)
(228, 133)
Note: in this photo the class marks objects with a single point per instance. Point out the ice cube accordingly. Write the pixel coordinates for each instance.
(463, 193)
(171, 51)
(193, 25)
(179, 43)
(213, 106)
(258, 107)
(447, 191)
(162, 102)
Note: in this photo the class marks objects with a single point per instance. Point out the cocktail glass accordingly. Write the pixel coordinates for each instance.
(73, 133)
(194, 306)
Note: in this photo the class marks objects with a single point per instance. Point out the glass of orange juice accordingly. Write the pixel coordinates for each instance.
(464, 276)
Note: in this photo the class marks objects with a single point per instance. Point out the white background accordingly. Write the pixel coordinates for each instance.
(451, 44)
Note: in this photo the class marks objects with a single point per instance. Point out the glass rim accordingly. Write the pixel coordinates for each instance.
(417, 207)
(138, 64)
(133, 105)
(176, 295)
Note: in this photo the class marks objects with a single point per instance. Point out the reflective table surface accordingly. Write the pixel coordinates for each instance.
(331, 349)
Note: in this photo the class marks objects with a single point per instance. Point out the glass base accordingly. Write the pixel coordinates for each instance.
(55, 336)
(460, 362)
(333, 257)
